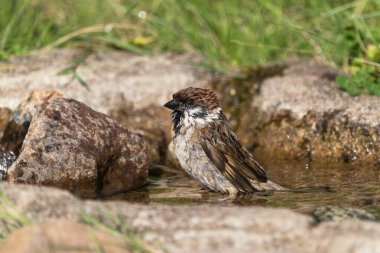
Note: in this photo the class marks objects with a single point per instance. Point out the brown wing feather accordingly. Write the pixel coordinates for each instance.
(230, 157)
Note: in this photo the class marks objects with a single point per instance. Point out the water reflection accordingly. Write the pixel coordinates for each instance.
(320, 184)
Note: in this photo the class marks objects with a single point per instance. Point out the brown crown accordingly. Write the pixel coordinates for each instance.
(203, 97)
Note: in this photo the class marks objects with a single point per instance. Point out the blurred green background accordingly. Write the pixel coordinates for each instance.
(230, 34)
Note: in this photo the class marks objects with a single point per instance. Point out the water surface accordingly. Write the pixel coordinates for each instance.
(316, 184)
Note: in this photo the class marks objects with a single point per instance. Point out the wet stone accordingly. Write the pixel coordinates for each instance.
(6, 160)
(302, 114)
(334, 213)
(71, 146)
(187, 228)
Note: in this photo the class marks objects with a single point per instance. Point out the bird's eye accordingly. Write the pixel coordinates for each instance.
(190, 103)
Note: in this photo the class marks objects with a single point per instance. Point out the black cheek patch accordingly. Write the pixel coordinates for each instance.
(177, 115)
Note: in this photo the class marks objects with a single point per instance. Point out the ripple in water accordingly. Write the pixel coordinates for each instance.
(319, 184)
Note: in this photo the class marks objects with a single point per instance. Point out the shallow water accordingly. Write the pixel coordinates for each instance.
(316, 184)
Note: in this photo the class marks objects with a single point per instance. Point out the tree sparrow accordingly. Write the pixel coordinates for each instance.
(208, 149)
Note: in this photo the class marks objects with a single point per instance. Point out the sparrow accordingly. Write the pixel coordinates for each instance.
(208, 149)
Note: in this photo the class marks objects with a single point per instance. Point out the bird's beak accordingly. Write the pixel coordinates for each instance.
(172, 104)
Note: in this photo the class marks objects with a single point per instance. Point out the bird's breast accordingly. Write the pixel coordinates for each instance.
(195, 162)
(184, 147)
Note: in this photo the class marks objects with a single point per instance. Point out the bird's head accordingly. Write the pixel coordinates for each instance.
(194, 105)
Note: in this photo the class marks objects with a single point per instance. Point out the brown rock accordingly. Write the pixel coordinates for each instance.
(73, 147)
(301, 114)
(62, 236)
(152, 123)
(4, 118)
(17, 127)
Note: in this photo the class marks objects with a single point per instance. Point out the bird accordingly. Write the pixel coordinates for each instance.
(208, 149)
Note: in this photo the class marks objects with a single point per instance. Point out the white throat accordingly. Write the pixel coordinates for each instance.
(194, 117)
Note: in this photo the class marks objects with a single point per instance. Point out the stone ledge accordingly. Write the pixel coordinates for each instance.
(204, 228)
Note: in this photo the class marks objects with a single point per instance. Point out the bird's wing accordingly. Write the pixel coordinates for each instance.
(231, 158)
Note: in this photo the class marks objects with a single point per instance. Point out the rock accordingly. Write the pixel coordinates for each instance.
(6, 160)
(291, 109)
(73, 147)
(64, 235)
(147, 123)
(39, 203)
(300, 113)
(328, 213)
(20, 119)
(203, 228)
(146, 82)
(4, 118)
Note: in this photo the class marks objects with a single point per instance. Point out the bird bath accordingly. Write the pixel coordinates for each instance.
(316, 184)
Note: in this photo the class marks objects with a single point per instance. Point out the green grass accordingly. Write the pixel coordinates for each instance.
(230, 34)
(116, 227)
(10, 217)
(365, 71)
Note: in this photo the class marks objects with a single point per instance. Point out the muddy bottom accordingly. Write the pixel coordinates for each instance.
(315, 185)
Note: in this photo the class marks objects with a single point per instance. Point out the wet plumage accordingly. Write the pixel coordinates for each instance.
(208, 149)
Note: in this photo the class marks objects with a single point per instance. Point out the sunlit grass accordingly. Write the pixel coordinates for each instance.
(10, 217)
(116, 227)
(230, 34)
